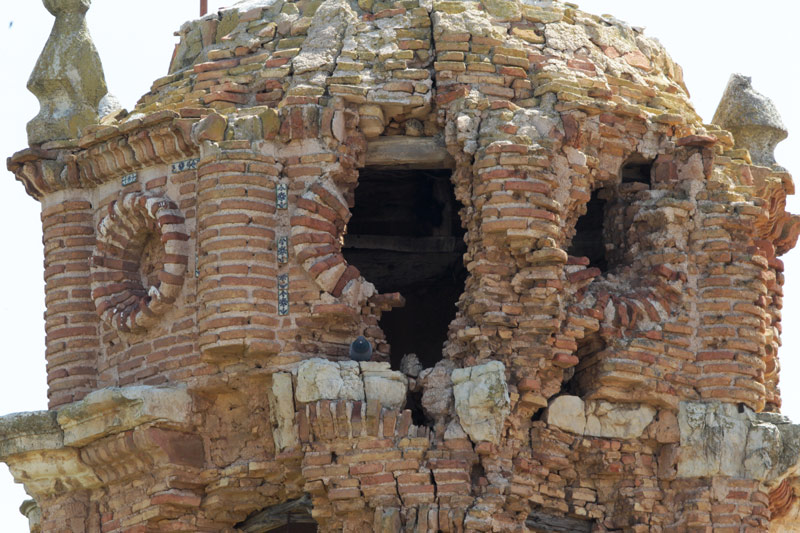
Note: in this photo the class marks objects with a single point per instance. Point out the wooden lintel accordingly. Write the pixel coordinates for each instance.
(400, 151)
(294, 511)
(401, 244)
(542, 522)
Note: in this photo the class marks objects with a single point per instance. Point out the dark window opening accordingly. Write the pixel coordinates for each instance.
(405, 236)
(580, 380)
(588, 240)
(601, 233)
(637, 170)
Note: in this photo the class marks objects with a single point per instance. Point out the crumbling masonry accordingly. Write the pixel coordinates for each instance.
(571, 284)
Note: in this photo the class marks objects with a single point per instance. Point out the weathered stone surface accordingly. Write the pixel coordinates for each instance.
(773, 448)
(752, 118)
(713, 439)
(25, 432)
(247, 127)
(387, 521)
(617, 420)
(503, 9)
(32, 444)
(567, 37)
(665, 428)
(114, 410)
(481, 400)
(210, 128)
(721, 439)
(55, 471)
(437, 395)
(326, 32)
(68, 78)
(352, 383)
(402, 150)
(33, 513)
(599, 418)
(454, 431)
(282, 411)
(568, 413)
(384, 385)
(410, 365)
(319, 379)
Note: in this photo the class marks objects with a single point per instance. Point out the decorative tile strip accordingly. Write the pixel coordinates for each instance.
(129, 178)
(283, 250)
(283, 294)
(283, 196)
(188, 164)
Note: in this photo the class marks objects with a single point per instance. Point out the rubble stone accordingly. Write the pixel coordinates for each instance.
(568, 413)
(481, 400)
(721, 439)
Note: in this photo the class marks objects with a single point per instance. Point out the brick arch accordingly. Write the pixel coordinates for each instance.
(320, 217)
(120, 296)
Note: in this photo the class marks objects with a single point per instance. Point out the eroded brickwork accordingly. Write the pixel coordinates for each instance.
(612, 363)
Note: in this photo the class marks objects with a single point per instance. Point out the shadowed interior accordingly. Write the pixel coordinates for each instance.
(405, 236)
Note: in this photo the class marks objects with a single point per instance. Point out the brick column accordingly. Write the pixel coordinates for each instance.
(70, 320)
(237, 262)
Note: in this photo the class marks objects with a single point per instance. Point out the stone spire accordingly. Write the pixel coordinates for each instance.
(68, 78)
(752, 118)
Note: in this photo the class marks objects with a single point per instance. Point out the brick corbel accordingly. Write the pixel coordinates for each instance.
(104, 154)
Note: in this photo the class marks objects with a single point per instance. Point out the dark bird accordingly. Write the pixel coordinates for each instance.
(360, 349)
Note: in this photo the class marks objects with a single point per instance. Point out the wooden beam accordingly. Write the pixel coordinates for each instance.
(399, 151)
(279, 515)
(203, 7)
(546, 523)
(401, 244)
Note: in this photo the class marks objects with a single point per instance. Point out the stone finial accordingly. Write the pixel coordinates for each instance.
(68, 77)
(752, 118)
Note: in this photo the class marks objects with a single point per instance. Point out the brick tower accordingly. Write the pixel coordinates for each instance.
(570, 285)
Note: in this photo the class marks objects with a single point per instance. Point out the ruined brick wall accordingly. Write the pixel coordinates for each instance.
(200, 306)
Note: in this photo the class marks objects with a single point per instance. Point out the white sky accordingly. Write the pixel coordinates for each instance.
(710, 39)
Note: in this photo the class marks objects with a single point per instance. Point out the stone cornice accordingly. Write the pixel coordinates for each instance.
(104, 153)
(44, 449)
(33, 447)
(115, 410)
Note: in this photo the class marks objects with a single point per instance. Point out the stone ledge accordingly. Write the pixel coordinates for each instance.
(320, 379)
(43, 448)
(599, 418)
(27, 432)
(114, 410)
